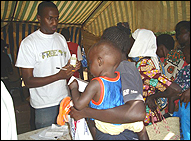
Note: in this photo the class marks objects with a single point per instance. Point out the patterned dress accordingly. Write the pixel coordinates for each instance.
(183, 79)
(153, 80)
(173, 63)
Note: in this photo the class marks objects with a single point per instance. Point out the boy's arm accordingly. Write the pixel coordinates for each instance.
(82, 100)
(131, 111)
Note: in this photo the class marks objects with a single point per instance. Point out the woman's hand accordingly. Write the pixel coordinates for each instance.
(185, 97)
(151, 103)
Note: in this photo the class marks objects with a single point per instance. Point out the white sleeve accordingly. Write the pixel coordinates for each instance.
(79, 54)
(26, 56)
(8, 119)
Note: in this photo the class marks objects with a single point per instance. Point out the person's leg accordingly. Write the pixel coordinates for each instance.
(91, 125)
(32, 118)
(171, 106)
(46, 116)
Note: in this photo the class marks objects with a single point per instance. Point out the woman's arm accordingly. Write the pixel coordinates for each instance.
(172, 91)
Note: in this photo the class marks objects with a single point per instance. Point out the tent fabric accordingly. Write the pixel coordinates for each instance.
(20, 31)
(95, 16)
(158, 16)
(71, 12)
(18, 18)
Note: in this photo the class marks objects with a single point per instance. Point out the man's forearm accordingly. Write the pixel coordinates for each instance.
(34, 82)
(132, 111)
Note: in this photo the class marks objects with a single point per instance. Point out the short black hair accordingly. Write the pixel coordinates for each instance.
(182, 24)
(166, 40)
(44, 4)
(66, 33)
(120, 35)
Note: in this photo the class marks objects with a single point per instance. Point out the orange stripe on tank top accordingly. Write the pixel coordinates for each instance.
(102, 92)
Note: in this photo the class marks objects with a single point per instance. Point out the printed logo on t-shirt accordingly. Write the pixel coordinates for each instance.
(125, 92)
(52, 53)
(133, 92)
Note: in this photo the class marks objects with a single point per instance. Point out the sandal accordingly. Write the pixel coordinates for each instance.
(64, 110)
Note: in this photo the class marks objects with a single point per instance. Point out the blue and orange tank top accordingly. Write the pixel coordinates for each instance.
(111, 93)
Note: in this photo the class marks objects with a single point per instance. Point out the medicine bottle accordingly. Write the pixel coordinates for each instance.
(73, 60)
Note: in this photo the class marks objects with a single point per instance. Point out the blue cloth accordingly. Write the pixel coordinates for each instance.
(84, 60)
(183, 79)
(184, 115)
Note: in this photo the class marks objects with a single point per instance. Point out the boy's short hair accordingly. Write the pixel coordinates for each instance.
(107, 47)
(44, 4)
(108, 43)
(166, 40)
(119, 36)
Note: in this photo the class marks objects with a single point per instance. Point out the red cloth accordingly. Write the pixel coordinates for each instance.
(185, 64)
(162, 59)
(73, 47)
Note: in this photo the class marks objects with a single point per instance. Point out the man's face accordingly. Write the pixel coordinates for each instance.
(48, 20)
(183, 36)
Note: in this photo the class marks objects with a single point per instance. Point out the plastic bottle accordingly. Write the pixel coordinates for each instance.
(73, 60)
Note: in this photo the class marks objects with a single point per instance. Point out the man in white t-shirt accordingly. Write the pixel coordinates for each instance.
(39, 55)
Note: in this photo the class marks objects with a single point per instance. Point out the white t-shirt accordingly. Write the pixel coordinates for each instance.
(44, 53)
(8, 120)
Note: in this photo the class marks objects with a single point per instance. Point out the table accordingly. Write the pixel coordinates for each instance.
(26, 136)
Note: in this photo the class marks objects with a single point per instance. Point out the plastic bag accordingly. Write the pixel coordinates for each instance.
(79, 129)
(184, 115)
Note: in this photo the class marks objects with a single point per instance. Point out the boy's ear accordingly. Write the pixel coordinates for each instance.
(100, 61)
